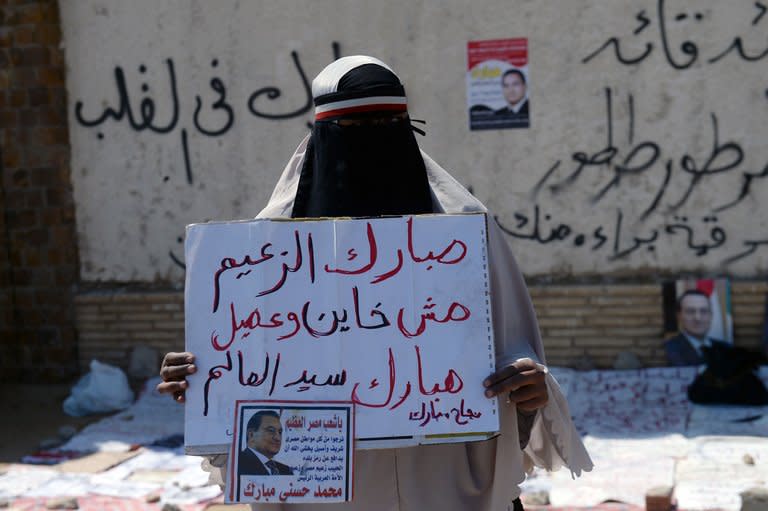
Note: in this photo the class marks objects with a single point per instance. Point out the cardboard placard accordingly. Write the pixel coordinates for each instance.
(392, 314)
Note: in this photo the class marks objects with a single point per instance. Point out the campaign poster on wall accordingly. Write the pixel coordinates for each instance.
(497, 84)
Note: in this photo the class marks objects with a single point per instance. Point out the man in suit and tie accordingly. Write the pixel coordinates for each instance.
(694, 315)
(264, 437)
(515, 90)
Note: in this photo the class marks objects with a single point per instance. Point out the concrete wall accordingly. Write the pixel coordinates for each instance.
(645, 154)
(645, 157)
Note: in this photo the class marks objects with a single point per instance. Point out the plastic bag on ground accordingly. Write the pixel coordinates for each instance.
(104, 389)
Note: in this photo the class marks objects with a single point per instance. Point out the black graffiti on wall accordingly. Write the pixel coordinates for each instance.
(663, 177)
(635, 158)
(213, 116)
(689, 52)
(612, 162)
(700, 237)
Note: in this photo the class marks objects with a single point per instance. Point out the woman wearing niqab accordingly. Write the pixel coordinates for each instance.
(361, 159)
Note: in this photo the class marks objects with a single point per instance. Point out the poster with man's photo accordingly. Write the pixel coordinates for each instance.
(291, 452)
(497, 84)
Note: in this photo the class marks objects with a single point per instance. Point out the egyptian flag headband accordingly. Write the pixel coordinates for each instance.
(361, 169)
(355, 86)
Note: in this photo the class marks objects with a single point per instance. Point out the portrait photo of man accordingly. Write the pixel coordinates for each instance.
(694, 317)
(514, 88)
(263, 439)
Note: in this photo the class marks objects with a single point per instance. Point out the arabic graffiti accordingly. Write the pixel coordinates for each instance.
(214, 120)
(688, 53)
(664, 183)
(213, 115)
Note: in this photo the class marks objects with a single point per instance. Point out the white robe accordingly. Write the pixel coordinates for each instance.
(478, 476)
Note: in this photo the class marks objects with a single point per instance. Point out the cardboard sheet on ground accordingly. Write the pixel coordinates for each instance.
(308, 444)
(392, 314)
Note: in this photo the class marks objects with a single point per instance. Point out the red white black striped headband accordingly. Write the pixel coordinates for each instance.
(331, 102)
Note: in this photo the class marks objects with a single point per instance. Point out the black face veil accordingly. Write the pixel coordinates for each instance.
(364, 169)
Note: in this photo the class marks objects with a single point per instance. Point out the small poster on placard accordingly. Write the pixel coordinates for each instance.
(497, 84)
(289, 452)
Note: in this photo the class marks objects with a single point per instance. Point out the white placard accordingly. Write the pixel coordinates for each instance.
(392, 314)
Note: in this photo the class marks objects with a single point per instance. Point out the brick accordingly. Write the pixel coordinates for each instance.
(745, 320)
(629, 301)
(32, 258)
(649, 343)
(564, 311)
(37, 236)
(616, 321)
(166, 307)
(169, 325)
(49, 34)
(65, 275)
(51, 116)
(58, 96)
(29, 57)
(51, 135)
(24, 36)
(21, 178)
(741, 288)
(12, 158)
(52, 216)
(154, 297)
(570, 291)
(748, 299)
(55, 197)
(168, 335)
(101, 335)
(124, 309)
(612, 342)
(573, 332)
(29, 15)
(132, 325)
(22, 219)
(94, 298)
(561, 301)
(57, 57)
(546, 321)
(25, 77)
(27, 117)
(652, 312)
(747, 310)
(36, 277)
(39, 96)
(17, 98)
(641, 332)
(25, 199)
(556, 342)
(143, 315)
(51, 76)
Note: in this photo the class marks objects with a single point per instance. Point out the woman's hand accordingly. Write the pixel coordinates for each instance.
(523, 381)
(174, 371)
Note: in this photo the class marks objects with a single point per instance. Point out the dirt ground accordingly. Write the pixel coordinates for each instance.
(31, 414)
